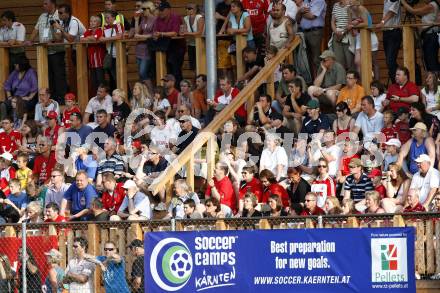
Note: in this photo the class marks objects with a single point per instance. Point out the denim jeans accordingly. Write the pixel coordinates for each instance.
(144, 67)
(430, 51)
(392, 39)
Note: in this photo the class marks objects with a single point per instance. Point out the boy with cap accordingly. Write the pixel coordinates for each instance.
(70, 108)
(315, 122)
(53, 129)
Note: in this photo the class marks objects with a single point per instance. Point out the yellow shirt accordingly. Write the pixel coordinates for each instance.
(24, 176)
(351, 96)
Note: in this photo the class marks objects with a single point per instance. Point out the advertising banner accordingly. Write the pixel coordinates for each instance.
(296, 260)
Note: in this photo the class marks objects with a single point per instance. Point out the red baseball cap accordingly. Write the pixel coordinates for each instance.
(70, 97)
(52, 115)
(374, 173)
(136, 144)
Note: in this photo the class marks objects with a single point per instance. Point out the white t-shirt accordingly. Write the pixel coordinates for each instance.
(161, 137)
(424, 184)
(94, 105)
(82, 267)
(431, 98)
(269, 160)
(369, 126)
(41, 111)
(75, 28)
(335, 151)
(162, 104)
(378, 101)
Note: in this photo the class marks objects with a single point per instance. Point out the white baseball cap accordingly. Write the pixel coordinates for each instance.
(423, 158)
(7, 156)
(129, 184)
(394, 142)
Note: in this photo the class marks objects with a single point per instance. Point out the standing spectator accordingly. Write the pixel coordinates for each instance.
(95, 52)
(112, 162)
(80, 271)
(166, 27)
(44, 106)
(239, 22)
(194, 26)
(136, 248)
(135, 206)
(80, 195)
(110, 5)
(12, 33)
(341, 37)
(113, 30)
(369, 121)
(70, 107)
(258, 12)
(378, 94)
(113, 268)
(403, 92)
(392, 37)
(311, 208)
(32, 271)
(430, 94)
(324, 185)
(56, 189)
(46, 31)
(357, 183)
(44, 162)
(413, 202)
(9, 138)
(428, 12)
(426, 180)
(291, 8)
(311, 20)
(142, 30)
(352, 92)
(220, 187)
(330, 78)
(102, 100)
(70, 28)
(199, 97)
(22, 82)
(224, 64)
(56, 273)
(280, 32)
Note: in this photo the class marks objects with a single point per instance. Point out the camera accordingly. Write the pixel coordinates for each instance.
(52, 21)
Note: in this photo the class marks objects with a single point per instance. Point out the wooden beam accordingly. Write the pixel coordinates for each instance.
(270, 86)
(366, 60)
(94, 239)
(161, 66)
(42, 67)
(82, 76)
(121, 66)
(80, 9)
(200, 55)
(240, 41)
(4, 70)
(409, 51)
(190, 173)
(210, 156)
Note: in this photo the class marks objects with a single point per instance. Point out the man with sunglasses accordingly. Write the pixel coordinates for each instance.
(44, 162)
(56, 188)
(311, 208)
(80, 270)
(113, 268)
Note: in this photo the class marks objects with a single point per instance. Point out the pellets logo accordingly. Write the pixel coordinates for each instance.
(389, 260)
(171, 264)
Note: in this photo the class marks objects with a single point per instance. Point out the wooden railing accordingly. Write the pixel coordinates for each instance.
(207, 135)
(427, 242)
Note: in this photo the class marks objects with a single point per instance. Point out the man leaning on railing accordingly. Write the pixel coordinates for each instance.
(12, 33)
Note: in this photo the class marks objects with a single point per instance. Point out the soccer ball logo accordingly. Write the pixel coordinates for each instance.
(181, 264)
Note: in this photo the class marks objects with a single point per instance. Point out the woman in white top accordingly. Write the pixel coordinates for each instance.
(274, 157)
(378, 94)
(194, 26)
(431, 94)
(160, 102)
(397, 186)
(141, 97)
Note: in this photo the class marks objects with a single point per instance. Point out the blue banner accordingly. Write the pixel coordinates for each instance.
(296, 260)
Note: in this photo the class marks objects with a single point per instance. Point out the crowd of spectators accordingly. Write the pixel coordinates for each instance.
(318, 147)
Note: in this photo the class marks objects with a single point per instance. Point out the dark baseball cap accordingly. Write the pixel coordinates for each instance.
(163, 5)
(136, 243)
(402, 110)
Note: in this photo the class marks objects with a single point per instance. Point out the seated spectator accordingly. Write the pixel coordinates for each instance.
(274, 157)
(32, 214)
(295, 107)
(7, 171)
(295, 185)
(22, 82)
(185, 96)
(18, 112)
(183, 193)
(426, 180)
(234, 157)
(357, 183)
(80, 196)
(220, 187)
(276, 208)
(324, 185)
(436, 206)
(376, 177)
(249, 184)
(44, 162)
(44, 106)
(9, 138)
(69, 108)
(135, 206)
(113, 194)
(184, 110)
(214, 209)
(15, 203)
(112, 162)
(56, 189)
(52, 214)
(271, 52)
(280, 30)
(369, 121)
(253, 63)
(413, 202)
(95, 52)
(276, 125)
(397, 186)
(199, 97)
(23, 173)
(418, 145)
(77, 127)
(271, 186)
(419, 114)
(403, 92)
(86, 162)
(330, 78)
(162, 135)
(104, 129)
(224, 97)
(392, 147)
(160, 102)
(378, 94)
(352, 92)
(141, 98)
(102, 100)
(189, 207)
(332, 206)
(250, 202)
(262, 111)
(53, 129)
(315, 122)
(372, 202)
(187, 135)
(344, 122)
(348, 207)
(169, 83)
(430, 94)
(283, 91)
(311, 209)
(402, 125)
(388, 126)
(121, 110)
(99, 214)
(347, 155)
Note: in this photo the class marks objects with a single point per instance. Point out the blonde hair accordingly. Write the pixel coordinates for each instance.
(120, 93)
(94, 17)
(150, 6)
(144, 100)
(373, 195)
(35, 206)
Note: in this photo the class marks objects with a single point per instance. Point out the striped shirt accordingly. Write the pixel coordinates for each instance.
(340, 14)
(113, 164)
(358, 189)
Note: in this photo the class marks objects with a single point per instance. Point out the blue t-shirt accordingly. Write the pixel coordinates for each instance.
(20, 201)
(114, 276)
(89, 165)
(83, 132)
(81, 199)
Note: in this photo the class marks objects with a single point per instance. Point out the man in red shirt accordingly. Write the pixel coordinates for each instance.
(9, 138)
(257, 10)
(169, 83)
(53, 129)
(224, 96)
(53, 214)
(113, 194)
(403, 92)
(414, 204)
(44, 162)
(221, 188)
(311, 208)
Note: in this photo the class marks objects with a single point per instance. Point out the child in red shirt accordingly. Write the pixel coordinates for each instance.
(388, 130)
(70, 108)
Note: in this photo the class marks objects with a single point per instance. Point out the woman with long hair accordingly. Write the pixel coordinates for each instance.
(185, 95)
(6, 275)
(372, 201)
(29, 132)
(19, 113)
(271, 186)
(141, 97)
(194, 26)
(419, 114)
(324, 185)
(397, 186)
(430, 94)
(344, 122)
(160, 101)
(33, 279)
(276, 207)
(332, 206)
